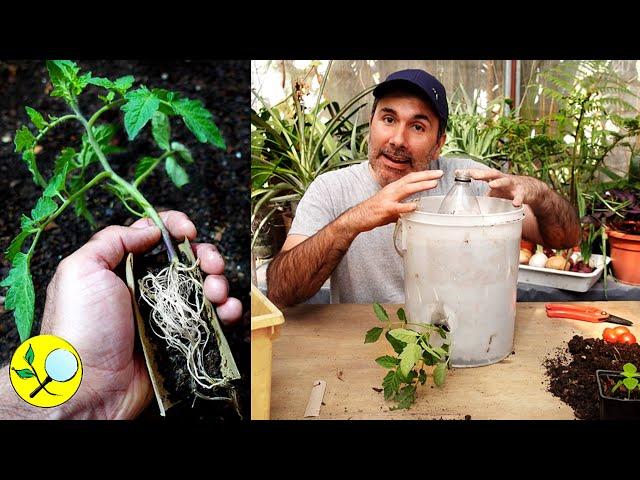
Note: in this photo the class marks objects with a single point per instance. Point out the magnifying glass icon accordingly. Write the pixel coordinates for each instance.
(61, 366)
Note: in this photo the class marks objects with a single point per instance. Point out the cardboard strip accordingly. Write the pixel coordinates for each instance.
(315, 400)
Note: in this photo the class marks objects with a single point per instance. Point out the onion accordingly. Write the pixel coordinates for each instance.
(525, 255)
(538, 260)
(557, 262)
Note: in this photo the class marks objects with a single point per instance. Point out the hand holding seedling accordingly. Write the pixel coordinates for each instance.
(90, 306)
(386, 206)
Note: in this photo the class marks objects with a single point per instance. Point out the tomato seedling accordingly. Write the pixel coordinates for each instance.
(416, 346)
(175, 294)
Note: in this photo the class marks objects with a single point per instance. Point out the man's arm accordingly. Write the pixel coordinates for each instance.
(305, 263)
(550, 220)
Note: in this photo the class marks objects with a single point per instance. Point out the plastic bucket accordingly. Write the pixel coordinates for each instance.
(462, 271)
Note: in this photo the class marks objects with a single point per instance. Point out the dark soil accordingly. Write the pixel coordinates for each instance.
(572, 372)
(216, 199)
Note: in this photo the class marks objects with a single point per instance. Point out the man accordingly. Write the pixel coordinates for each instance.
(90, 307)
(343, 226)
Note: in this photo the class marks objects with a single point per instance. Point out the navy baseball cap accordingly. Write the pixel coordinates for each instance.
(422, 82)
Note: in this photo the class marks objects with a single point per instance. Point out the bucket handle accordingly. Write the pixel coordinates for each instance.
(400, 251)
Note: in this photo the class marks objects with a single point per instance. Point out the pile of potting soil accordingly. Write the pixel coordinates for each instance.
(572, 371)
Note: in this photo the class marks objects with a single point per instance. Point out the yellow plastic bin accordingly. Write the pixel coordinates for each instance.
(265, 325)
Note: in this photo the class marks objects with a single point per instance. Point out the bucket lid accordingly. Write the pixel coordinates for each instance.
(496, 211)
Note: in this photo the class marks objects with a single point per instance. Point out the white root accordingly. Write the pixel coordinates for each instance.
(176, 298)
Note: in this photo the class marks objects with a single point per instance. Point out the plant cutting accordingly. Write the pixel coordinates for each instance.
(417, 347)
(619, 393)
(179, 314)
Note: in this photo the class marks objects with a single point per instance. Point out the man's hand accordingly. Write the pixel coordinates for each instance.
(512, 187)
(90, 306)
(549, 220)
(386, 206)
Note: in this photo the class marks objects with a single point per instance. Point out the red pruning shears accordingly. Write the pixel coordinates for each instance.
(587, 314)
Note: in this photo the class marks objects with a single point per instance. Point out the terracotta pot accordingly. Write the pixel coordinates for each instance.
(625, 256)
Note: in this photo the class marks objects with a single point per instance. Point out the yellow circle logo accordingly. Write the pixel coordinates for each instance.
(46, 371)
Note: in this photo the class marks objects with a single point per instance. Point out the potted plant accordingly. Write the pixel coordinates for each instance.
(292, 144)
(619, 393)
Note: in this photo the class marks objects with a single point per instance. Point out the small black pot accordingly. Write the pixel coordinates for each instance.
(615, 408)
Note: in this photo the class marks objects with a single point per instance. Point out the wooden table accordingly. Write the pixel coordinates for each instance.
(325, 342)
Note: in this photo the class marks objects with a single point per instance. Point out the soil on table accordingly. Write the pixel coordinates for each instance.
(572, 371)
(216, 199)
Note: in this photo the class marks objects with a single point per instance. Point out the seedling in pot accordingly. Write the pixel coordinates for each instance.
(630, 380)
(174, 294)
(417, 347)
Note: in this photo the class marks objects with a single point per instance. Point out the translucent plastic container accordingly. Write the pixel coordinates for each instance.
(462, 271)
(265, 325)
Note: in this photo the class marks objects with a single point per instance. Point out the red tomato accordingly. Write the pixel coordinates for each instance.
(619, 331)
(609, 335)
(627, 338)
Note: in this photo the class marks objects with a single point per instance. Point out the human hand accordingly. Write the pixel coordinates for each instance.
(90, 306)
(518, 188)
(386, 206)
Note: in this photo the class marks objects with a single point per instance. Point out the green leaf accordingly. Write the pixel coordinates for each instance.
(183, 151)
(20, 296)
(101, 82)
(439, 374)
(405, 398)
(36, 118)
(65, 80)
(161, 130)
(422, 378)
(29, 356)
(381, 313)
(629, 368)
(80, 203)
(139, 109)
(397, 345)
(123, 84)
(43, 209)
(401, 315)
(199, 120)
(16, 244)
(387, 361)
(390, 384)
(144, 164)
(57, 183)
(404, 335)
(24, 139)
(373, 335)
(408, 358)
(630, 383)
(176, 173)
(24, 373)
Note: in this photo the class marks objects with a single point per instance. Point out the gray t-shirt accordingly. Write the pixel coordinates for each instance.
(371, 270)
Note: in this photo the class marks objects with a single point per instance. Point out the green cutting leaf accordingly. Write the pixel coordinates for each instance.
(408, 358)
(387, 361)
(404, 335)
(183, 151)
(161, 130)
(36, 118)
(20, 296)
(176, 173)
(139, 109)
(372, 335)
(24, 139)
(16, 244)
(144, 165)
(405, 398)
(439, 374)
(43, 209)
(199, 120)
(381, 313)
(390, 384)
